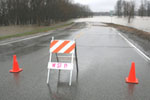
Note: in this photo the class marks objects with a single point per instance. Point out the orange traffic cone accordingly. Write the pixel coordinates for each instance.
(132, 75)
(15, 65)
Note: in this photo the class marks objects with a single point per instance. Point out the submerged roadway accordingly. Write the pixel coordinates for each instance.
(104, 59)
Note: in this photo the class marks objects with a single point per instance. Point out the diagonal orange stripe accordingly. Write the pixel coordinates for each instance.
(70, 49)
(53, 43)
(61, 46)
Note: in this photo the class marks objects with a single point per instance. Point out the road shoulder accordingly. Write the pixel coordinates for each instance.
(139, 38)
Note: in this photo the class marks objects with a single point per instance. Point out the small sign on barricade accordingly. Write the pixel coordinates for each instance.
(62, 47)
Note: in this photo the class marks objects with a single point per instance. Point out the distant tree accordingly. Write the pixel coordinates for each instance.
(131, 10)
(119, 8)
(142, 9)
(148, 8)
(125, 8)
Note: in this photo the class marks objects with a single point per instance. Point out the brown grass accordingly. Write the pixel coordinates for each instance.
(18, 31)
(10, 30)
(131, 30)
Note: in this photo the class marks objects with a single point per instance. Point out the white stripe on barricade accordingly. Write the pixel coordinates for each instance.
(67, 46)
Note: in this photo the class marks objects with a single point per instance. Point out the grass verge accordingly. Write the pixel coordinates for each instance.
(45, 29)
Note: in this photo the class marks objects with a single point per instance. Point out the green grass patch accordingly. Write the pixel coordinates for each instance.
(45, 29)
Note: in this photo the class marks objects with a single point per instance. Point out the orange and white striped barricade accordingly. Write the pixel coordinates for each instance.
(63, 47)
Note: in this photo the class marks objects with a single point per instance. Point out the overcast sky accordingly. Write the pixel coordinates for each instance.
(100, 5)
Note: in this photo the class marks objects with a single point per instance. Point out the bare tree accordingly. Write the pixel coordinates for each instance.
(131, 10)
(119, 8)
(148, 8)
(142, 10)
(125, 8)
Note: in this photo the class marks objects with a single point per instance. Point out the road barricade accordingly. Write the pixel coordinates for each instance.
(62, 47)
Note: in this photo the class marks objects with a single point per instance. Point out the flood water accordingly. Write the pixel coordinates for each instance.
(142, 23)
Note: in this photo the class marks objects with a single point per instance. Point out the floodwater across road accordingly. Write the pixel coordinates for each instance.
(104, 61)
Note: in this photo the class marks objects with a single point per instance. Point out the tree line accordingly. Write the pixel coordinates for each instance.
(21, 12)
(128, 8)
(125, 8)
(144, 9)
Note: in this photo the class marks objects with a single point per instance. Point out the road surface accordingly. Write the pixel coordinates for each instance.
(104, 62)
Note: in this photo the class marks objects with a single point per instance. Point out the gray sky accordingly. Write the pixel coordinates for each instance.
(100, 5)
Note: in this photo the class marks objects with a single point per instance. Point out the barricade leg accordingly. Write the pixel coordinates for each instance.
(70, 77)
(76, 58)
(48, 76)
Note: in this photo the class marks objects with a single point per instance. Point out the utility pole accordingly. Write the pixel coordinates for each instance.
(111, 15)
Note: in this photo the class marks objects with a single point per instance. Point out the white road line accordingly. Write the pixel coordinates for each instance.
(141, 53)
(25, 39)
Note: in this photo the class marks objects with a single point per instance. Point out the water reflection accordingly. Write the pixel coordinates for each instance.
(131, 88)
(16, 78)
(62, 91)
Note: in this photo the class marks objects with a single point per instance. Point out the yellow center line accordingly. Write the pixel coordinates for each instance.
(78, 35)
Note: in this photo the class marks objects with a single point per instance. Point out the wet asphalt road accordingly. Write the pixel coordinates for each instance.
(104, 62)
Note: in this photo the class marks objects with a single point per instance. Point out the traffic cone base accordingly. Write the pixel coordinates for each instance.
(12, 71)
(128, 81)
